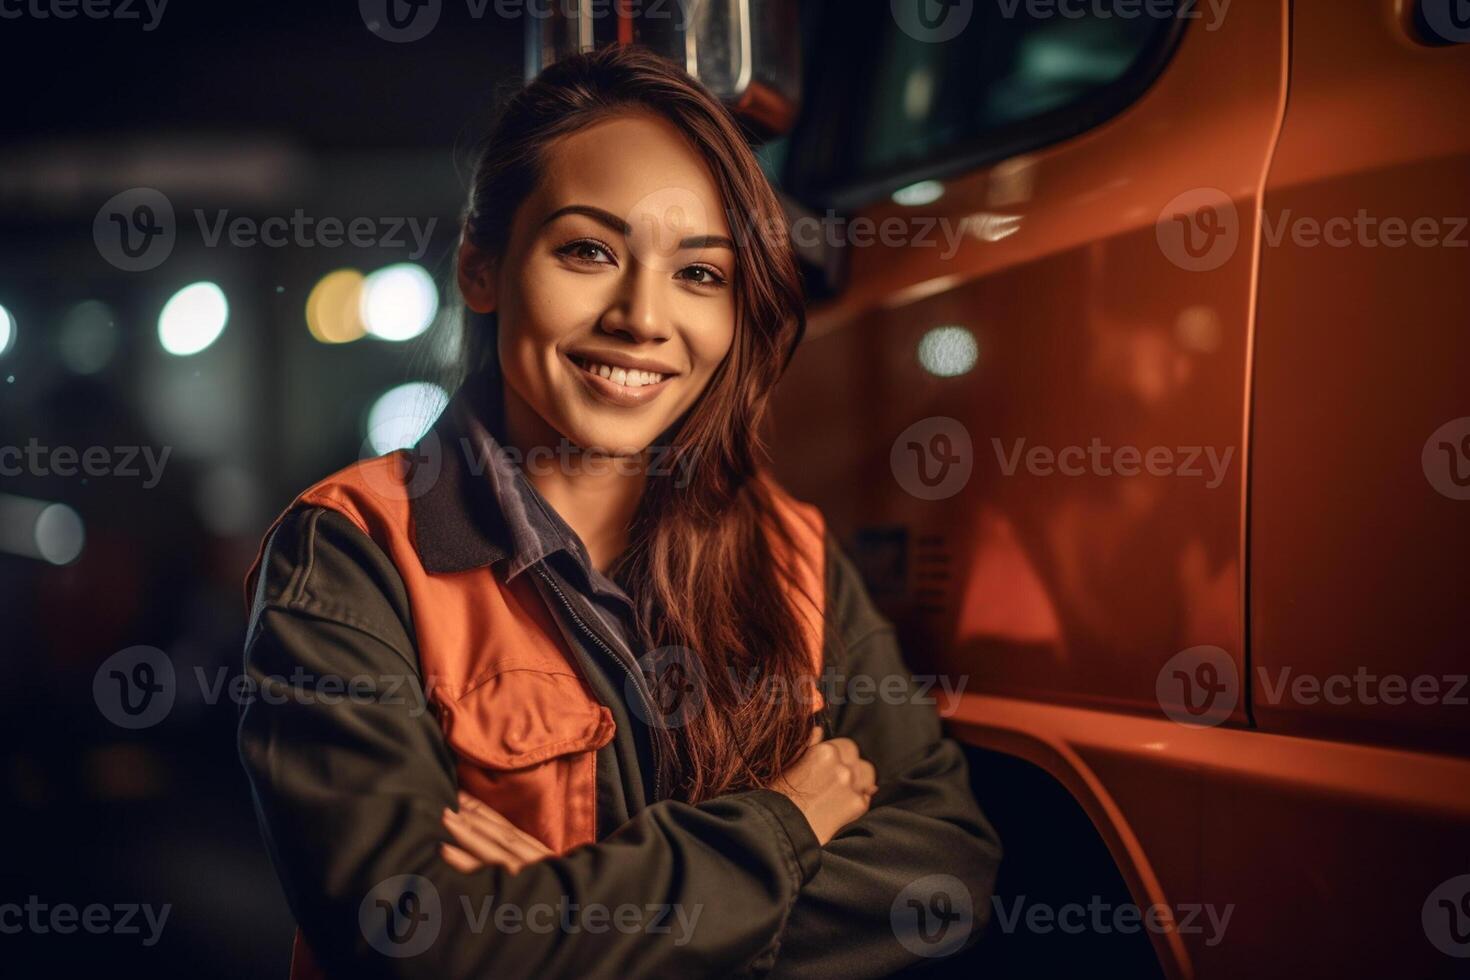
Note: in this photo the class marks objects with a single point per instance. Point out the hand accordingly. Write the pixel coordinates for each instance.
(484, 837)
(831, 784)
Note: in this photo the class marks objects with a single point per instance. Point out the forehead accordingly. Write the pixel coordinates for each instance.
(633, 165)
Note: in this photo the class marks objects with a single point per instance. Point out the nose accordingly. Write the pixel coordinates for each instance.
(637, 313)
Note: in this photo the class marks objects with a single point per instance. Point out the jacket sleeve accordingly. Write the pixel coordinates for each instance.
(349, 789)
(912, 879)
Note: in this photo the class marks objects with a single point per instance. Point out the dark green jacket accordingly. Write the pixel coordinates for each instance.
(349, 790)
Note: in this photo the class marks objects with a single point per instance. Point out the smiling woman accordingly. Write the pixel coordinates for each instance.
(630, 677)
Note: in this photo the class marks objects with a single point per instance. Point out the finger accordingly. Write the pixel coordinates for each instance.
(865, 777)
(460, 860)
(484, 845)
(494, 823)
(473, 857)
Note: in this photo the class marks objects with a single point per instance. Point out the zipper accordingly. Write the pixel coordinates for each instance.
(637, 678)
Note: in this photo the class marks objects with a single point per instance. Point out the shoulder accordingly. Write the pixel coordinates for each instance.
(316, 561)
(371, 496)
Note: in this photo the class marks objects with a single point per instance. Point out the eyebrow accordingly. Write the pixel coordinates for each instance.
(620, 226)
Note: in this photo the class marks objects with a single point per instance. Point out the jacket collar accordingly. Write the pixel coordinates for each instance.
(479, 508)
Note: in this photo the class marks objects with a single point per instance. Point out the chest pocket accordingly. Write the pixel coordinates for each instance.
(526, 739)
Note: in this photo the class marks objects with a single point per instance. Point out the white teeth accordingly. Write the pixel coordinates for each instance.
(623, 376)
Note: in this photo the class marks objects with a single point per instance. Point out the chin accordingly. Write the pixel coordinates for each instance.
(612, 436)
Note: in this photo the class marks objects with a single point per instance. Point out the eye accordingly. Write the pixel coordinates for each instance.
(586, 251)
(702, 275)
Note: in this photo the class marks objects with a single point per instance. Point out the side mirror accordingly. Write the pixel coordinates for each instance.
(747, 52)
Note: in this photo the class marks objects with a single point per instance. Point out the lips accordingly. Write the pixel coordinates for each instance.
(625, 385)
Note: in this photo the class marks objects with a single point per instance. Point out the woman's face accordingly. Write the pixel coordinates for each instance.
(616, 293)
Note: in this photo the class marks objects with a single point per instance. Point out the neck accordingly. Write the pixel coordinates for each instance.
(596, 495)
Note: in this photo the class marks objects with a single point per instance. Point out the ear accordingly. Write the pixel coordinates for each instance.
(476, 277)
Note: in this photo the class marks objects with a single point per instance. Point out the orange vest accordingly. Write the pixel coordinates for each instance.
(522, 722)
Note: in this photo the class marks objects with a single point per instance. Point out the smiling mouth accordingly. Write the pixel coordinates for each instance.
(622, 377)
(619, 387)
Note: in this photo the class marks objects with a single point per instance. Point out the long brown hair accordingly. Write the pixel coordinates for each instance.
(701, 566)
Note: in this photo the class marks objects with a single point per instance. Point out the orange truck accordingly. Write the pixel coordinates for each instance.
(1138, 384)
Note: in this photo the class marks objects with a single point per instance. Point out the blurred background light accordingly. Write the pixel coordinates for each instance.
(334, 307)
(917, 195)
(401, 415)
(40, 529)
(7, 330)
(948, 352)
(399, 301)
(193, 318)
(88, 337)
(59, 534)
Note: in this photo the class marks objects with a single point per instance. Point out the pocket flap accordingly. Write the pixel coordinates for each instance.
(519, 718)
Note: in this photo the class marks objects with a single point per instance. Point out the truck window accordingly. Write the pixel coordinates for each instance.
(890, 99)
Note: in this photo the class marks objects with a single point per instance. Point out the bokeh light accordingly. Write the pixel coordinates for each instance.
(948, 352)
(399, 302)
(59, 534)
(401, 415)
(334, 307)
(193, 318)
(917, 195)
(7, 330)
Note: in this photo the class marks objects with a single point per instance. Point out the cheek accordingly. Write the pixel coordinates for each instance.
(710, 341)
(536, 320)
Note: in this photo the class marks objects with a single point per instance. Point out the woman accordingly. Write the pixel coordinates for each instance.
(537, 697)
